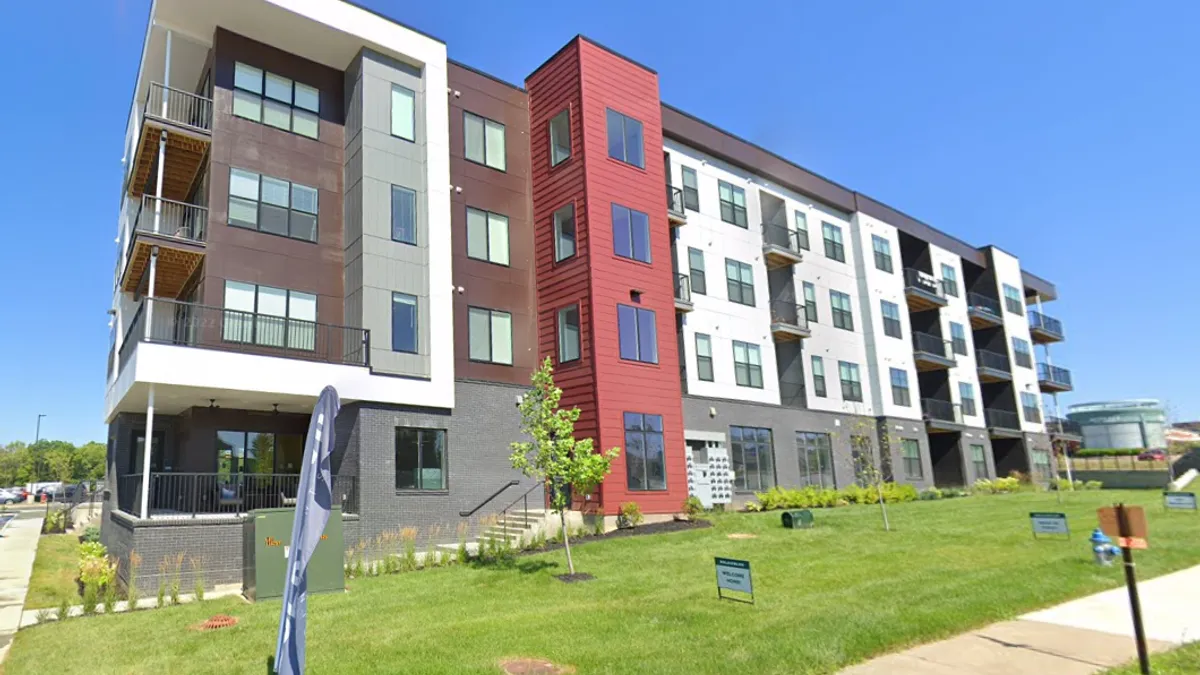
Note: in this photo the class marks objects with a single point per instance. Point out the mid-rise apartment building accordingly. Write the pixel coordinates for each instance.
(315, 194)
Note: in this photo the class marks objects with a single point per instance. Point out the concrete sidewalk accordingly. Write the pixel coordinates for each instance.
(18, 547)
(1076, 638)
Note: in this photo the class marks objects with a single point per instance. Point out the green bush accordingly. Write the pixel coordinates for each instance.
(931, 494)
(1063, 484)
(693, 506)
(1107, 452)
(1093, 485)
(629, 515)
(812, 497)
(90, 535)
(997, 486)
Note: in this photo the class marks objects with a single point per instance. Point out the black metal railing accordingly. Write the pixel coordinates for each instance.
(1054, 374)
(683, 288)
(929, 344)
(792, 394)
(781, 236)
(1063, 425)
(923, 281)
(523, 500)
(981, 303)
(178, 106)
(470, 512)
(112, 353)
(200, 494)
(1048, 324)
(937, 409)
(132, 336)
(171, 218)
(1001, 419)
(675, 200)
(785, 311)
(985, 358)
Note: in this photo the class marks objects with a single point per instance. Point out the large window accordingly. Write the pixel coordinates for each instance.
(950, 280)
(900, 394)
(568, 334)
(891, 318)
(625, 139)
(818, 375)
(704, 362)
(484, 141)
(272, 317)
(753, 459)
(747, 365)
(843, 316)
(487, 236)
(966, 394)
(638, 334)
(1013, 301)
(404, 109)
(272, 205)
(404, 323)
(276, 101)
(1041, 465)
(739, 278)
(883, 253)
(489, 335)
(240, 452)
(645, 461)
(420, 459)
(851, 384)
(564, 233)
(733, 204)
(910, 453)
(802, 229)
(404, 215)
(810, 302)
(958, 338)
(979, 460)
(696, 271)
(1030, 408)
(1021, 353)
(560, 138)
(691, 189)
(833, 242)
(631, 233)
(816, 459)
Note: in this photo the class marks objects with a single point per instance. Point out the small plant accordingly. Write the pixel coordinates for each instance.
(110, 597)
(931, 494)
(176, 571)
(1093, 485)
(131, 589)
(692, 506)
(44, 615)
(462, 541)
(598, 524)
(91, 596)
(197, 577)
(432, 555)
(91, 534)
(408, 537)
(64, 609)
(629, 515)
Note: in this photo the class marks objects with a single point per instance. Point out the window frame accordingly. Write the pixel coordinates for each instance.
(487, 233)
(979, 464)
(809, 291)
(949, 281)
(703, 359)
(853, 382)
(392, 208)
(558, 232)
(634, 226)
(263, 97)
(751, 350)
(800, 219)
(958, 343)
(820, 390)
(412, 96)
(966, 392)
(835, 248)
(843, 317)
(641, 132)
(733, 206)
(738, 446)
(883, 253)
(901, 395)
(1022, 352)
(647, 432)
(259, 205)
(261, 323)
(692, 191)
(698, 274)
(731, 282)
(1013, 301)
(416, 313)
(555, 159)
(1031, 409)
(910, 462)
(492, 314)
(484, 122)
(419, 488)
(637, 333)
(810, 444)
(562, 323)
(891, 324)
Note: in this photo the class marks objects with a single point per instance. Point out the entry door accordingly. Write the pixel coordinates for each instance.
(138, 449)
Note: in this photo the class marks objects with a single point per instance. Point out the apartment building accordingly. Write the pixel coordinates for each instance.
(315, 194)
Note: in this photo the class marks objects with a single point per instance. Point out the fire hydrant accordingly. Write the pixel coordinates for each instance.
(1103, 548)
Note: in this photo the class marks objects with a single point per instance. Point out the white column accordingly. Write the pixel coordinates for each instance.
(162, 138)
(150, 292)
(146, 454)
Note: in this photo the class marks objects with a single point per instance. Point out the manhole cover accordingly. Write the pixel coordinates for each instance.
(742, 535)
(533, 667)
(218, 621)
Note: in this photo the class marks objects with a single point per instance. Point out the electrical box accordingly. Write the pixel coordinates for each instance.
(710, 477)
(267, 538)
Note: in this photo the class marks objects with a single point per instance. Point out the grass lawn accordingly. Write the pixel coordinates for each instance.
(827, 597)
(54, 571)
(1182, 661)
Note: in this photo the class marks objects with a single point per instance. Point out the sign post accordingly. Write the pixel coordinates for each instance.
(734, 575)
(1179, 501)
(1128, 525)
(1049, 524)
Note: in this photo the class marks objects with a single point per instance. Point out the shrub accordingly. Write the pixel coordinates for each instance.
(811, 497)
(198, 577)
(64, 609)
(1093, 485)
(176, 571)
(91, 596)
(110, 597)
(90, 535)
(1107, 452)
(44, 615)
(55, 522)
(693, 506)
(629, 515)
(931, 494)
(409, 538)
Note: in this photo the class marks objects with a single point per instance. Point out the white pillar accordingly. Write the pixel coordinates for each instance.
(166, 74)
(162, 137)
(146, 454)
(150, 292)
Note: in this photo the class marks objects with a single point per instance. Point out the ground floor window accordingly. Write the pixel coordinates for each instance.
(910, 452)
(1041, 465)
(420, 459)
(257, 452)
(645, 453)
(979, 460)
(753, 458)
(816, 459)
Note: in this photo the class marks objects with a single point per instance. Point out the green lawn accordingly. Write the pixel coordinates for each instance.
(827, 597)
(54, 571)
(1182, 661)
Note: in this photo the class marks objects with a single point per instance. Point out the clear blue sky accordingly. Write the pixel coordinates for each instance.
(1065, 132)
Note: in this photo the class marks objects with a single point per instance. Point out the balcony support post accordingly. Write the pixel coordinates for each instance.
(145, 511)
(150, 292)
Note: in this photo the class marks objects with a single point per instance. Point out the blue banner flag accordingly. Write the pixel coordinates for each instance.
(314, 498)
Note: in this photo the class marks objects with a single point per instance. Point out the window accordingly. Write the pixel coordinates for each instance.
(733, 204)
(979, 460)
(404, 107)
(272, 317)
(560, 138)
(883, 253)
(802, 230)
(958, 338)
(696, 271)
(753, 459)
(740, 281)
(420, 459)
(966, 393)
(1021, 353)
(1013, 301)
(833, 242)
(645, 462)
(949, 280)
(568, 334)
(810, 302)
(638, 334)
(631, 233)
(404, 323)
(484, 140)
(276, 101)
(1041, 465)
(625, 139)
(254, 452)
(704, 362)
(818, 373)
(816, 459)
(862, 454)
(691, 189)
(900, 394)
(840, 304)
(489, 335)
(271, 205)
(404, 215)
(747, 365)
(564, 233)
(1030, 408)
(910, 452)
(891, 318)
(487, 236)
(851, 385)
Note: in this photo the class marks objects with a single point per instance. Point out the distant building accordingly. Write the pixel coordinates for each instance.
(1135, 423)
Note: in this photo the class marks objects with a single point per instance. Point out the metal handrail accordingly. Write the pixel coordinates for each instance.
(675, 200)
(929, 343)
(683, 288)
(938, 409)
(786, 311)
(170, 218)
(1064, 425)
(986, 358)
(179, 106)
(524, 499)
(1004, 419)
(983, 303)
(782, 236)
(924, 281)
(132, 336)
(468, 514)
(208, 493)
(1049, 373)
(1046, 323)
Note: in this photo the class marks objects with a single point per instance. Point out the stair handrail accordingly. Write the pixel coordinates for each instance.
(525, 507)
(468, 514)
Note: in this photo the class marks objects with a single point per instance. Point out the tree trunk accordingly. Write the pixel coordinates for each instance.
(883, 507)
(562, 518)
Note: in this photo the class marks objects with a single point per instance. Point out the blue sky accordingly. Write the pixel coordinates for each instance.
(1064, 132)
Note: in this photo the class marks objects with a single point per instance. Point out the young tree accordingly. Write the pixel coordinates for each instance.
(554, 456)
(868, 469)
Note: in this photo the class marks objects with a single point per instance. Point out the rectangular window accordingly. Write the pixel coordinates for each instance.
(489, 335)
(272, 317)
(271, 205)
(1029, 406)
(568, 334)
(487, 236)
(1041, 465)
(910, 452)
(833, 242)
(1013, 301)
(733, 204)
(979, 460)
(704, 362)
(891, 318)
(900, 395)
(810, 302)
(239, 452)
(802, 230)
(560, 138)
(950, 280)
(843, 316)
(638, 334)
(645, 452)
(958, 338)
(404, 108)
(883, 253)
(564, 233)
(420, 459)
(851, 384)
(631, 233)
(691, 189)
(739, 279)
(753, 457)
(696, 271)
(816, 460)
(747, 365)
(484, 140)
(625, 139)
(1021, 354)
(276, 101)
(818, 374)
(966, 393)
(404, 215)
(404, 323)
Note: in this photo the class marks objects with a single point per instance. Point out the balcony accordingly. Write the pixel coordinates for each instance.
(683, 293)
(941, 416)
(992, 366)
(1002, 423)
(178, 231)
(930, 352)
(1044, 329)
(984, 312)
(781, 246)
(186, 121)
(676, 214)
(1061, 427)
(191, 495)
(788, 321)
(1053, 379)
(923, 290)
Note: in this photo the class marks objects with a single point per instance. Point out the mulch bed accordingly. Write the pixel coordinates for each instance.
(653, 528)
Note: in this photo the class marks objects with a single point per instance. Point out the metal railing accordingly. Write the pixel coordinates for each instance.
(782, 236)
(936, 408)
(675, 200)
(930, 344)
(923, 281)
(1063, 425)
(200, 494)
(985, 358)
(683, 288)
(786, 311)
(1049, 324)
(1120, 463)
(1001, 419)
(179, 107)
(982, 303)
(503, 517)
(171, 218)
(470, 512)
(133, 335)
(1049, 373)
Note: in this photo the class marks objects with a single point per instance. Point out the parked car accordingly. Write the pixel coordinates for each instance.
(50, 492)
(1152, 455)
(9, 497)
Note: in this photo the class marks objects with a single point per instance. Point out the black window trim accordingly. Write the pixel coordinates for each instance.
(262, 98)
(550, 136)
(488, 235)
(646, 464)
(637, 330)
(259, 202)
(485, 120)
(490, 340)
(624, 150)
(445, 489)
(558, 327)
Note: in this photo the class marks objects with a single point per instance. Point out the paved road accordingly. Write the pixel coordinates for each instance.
(18, 546)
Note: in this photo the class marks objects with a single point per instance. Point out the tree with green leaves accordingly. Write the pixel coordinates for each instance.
(554, 456)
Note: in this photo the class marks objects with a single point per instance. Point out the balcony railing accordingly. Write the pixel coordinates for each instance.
(1053, 374)
(781, 236)
(1047, 324)
(206, 494)
(930, 344)
(171, 219)
(985, 358)
(1062, 425)
(924, 282)
(982, 303)
(945, 411)
(179, 107)
(675, 201)
(683, 288)
(1001, 419)
(785, 311)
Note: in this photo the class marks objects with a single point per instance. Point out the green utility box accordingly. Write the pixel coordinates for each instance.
(798, 520)
(267, 535)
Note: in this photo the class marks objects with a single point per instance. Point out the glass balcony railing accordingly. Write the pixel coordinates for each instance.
(1046, 324)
